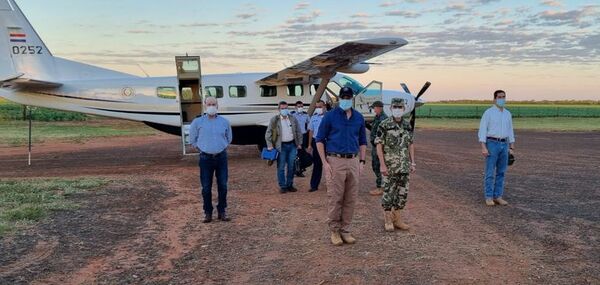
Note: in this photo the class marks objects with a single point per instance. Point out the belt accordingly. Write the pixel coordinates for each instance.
(342, 155)
(289, 142)
(212, 154)
(497, 139)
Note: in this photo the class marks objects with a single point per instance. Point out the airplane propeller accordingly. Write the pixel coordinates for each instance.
(413, 115)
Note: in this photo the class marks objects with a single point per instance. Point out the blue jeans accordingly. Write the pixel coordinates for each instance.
(495, 167)
(315, 177)
(287, 155)
(213, 165)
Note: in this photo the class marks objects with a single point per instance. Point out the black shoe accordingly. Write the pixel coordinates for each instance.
(299, 174)
(283, 190)
(312, 190)
(223, 217)
(292, 189)
(207, 219)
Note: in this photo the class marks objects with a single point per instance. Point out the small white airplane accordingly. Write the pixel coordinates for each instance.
(31, 75)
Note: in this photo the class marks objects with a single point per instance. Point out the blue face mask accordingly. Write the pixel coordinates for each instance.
(500, 102)
(284, 112)
(346, 104)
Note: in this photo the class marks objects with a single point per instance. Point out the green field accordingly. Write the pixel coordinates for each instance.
(451, 110)
(23, 202)
(538, 124)
(10, 111)
(15, 133)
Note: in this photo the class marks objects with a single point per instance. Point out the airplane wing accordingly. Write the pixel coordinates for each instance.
(348, 57)
(27, 83)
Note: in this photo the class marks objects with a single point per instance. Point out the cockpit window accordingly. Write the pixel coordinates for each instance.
(346, 81)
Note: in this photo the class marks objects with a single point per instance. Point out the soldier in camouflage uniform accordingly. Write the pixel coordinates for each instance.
(395, 149)
(379, 117)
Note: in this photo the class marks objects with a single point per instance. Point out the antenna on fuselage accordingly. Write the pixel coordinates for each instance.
(143, 70)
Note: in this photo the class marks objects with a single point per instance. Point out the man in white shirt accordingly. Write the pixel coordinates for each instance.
(497, 139)
(283, 133)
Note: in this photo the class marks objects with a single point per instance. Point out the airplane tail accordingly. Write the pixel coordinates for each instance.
(22, 52)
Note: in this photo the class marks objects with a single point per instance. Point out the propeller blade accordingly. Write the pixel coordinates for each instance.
(425, 87)
(413, 115)
(405, 88)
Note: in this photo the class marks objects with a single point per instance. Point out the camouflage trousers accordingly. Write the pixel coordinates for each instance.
(395, 191)
(375, 165)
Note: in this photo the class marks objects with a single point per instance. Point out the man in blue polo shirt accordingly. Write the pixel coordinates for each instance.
(342, 133)
(211, 134)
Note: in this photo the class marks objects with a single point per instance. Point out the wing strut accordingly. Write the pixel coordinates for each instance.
(322, 86)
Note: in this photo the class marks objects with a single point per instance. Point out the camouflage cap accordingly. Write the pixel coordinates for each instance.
(397, 102)
(377, 104)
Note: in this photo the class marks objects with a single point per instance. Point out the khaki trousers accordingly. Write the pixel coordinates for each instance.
(342, 191)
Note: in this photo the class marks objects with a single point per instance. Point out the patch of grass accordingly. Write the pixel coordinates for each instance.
(11, 111)
(442, 110)
(27, 201)
(539, 124)
(15, 133)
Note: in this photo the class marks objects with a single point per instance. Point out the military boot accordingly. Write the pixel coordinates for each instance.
(398, 222)
(388, 221)
(336, 239)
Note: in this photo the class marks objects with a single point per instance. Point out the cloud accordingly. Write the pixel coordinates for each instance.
(301, 6)
(571, 17)
(361, 15)
(552, 3)
(246, 16)
(403, 13)
(486, 1)
(306, 18)
(591, 42)
(456, 7)
(140, 32)
(387, 4)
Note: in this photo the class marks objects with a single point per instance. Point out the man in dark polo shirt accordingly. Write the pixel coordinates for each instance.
(342, 133)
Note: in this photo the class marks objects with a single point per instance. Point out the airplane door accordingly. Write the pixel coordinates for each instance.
(190, 96)
(362, 102)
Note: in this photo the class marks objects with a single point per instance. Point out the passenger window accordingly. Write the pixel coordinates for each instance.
(295, 90)
(237, 91)
(214, 91)
(166, 92)
(268, 91)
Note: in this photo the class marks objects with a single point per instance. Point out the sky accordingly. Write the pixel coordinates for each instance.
(534, 50)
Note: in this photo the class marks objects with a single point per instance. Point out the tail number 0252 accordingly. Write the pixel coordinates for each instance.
(27, 50)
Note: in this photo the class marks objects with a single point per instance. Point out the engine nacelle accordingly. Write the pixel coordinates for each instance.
(355, 68)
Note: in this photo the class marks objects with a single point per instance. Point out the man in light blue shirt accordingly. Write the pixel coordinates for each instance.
(303, 119)
(497, 139)
(313, 129)
(211, 134)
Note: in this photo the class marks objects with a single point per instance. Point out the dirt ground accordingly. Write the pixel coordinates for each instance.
(145, 227)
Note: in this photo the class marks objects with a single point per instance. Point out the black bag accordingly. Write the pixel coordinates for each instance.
(511, 159)
(303, 160)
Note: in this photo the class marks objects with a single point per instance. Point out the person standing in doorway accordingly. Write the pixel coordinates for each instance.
(284, 134)
(342, 145)
(211, 135)
(313, 129)
(497, 139)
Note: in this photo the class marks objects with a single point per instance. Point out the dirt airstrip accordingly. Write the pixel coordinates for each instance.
(145, 226)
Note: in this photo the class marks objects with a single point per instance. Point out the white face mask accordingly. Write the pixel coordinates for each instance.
(397, 113)
(319, 111)
(300, 109)
(211, 110)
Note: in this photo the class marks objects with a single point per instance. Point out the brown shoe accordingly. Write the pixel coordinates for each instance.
(347, 237)
(500, 201)
(388, 221)
(398, 222)
(489, 202)
(336, 239)
(376, 192)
